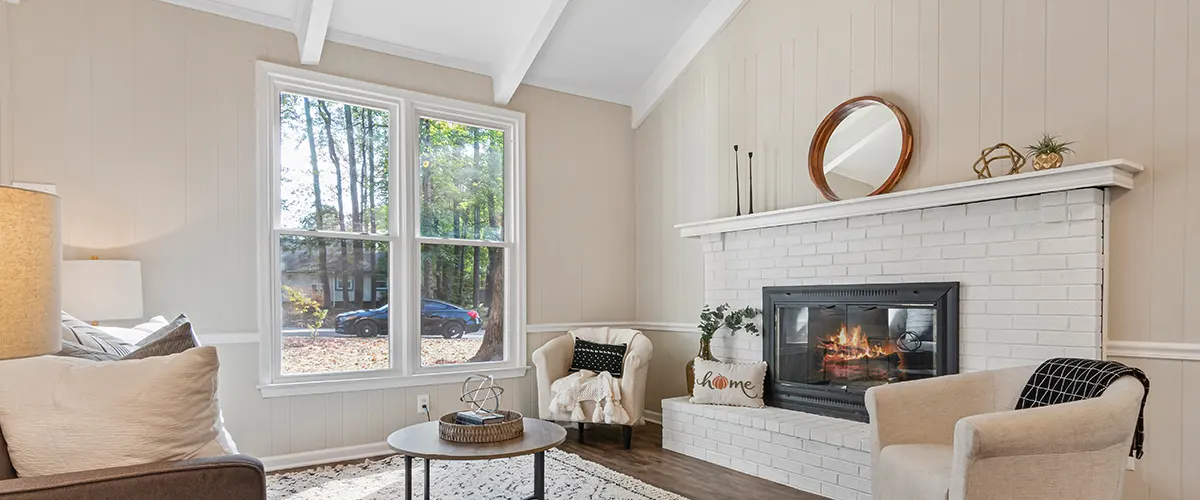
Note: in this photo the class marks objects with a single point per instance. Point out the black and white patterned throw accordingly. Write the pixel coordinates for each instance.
(599, 357)
(1063, 380)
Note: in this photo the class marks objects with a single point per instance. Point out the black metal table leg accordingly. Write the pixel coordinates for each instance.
(427, 497)
(539, 476)
(407, 477)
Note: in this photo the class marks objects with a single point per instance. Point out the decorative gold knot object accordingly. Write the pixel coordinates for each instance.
(983, 166)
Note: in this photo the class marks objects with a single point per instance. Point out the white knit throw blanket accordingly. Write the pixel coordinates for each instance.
(586, 385)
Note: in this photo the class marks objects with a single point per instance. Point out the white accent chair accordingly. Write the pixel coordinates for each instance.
(958, 438)
(553, 361)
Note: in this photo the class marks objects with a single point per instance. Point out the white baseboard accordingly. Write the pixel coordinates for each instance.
(327, 456)
(652, 416)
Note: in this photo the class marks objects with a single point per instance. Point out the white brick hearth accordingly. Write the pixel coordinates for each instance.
(1031, 270)
(817, 454)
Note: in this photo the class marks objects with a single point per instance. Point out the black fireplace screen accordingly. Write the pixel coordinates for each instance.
(826, 345)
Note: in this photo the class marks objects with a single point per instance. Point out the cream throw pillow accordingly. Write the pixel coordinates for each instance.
(65, 415)
(735, 384)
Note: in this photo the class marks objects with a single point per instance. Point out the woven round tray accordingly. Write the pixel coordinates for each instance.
(512, 427)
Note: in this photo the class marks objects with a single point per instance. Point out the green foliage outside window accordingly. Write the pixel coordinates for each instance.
(310, 311)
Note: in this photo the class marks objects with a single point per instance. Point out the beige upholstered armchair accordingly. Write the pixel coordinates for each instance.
(958, 438)
(553, 362)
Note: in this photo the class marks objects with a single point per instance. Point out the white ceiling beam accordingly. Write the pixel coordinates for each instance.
(507, 79)
(711, 21)
(311, 25)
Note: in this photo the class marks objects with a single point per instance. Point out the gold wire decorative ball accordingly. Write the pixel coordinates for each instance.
(983, 166)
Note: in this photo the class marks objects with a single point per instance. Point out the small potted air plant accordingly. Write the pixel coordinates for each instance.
(1048, 152)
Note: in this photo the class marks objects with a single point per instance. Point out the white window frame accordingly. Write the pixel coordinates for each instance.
(405, 108)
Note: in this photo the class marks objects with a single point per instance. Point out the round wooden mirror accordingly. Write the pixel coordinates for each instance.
(862, 148)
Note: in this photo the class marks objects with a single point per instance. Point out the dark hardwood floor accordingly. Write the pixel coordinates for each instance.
(681, 474)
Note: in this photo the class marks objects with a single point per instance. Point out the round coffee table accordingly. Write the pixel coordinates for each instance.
(422, 441)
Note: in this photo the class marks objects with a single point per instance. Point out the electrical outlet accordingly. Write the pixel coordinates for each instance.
(422, 403)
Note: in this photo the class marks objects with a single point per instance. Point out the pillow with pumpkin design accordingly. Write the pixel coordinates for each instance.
(733, 384)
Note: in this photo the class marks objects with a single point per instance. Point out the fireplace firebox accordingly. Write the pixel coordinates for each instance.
(826, 345)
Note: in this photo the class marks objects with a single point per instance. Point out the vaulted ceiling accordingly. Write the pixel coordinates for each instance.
(623, 51)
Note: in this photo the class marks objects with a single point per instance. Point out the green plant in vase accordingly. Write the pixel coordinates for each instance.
(711, 321)
(1048, 152)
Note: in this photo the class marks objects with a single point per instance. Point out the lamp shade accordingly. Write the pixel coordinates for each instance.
(30, 270)
(101, 290)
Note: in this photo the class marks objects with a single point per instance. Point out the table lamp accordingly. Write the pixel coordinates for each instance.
(30, 273)
(102, 290)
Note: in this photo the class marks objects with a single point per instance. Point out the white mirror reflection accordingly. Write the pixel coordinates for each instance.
(863, 151)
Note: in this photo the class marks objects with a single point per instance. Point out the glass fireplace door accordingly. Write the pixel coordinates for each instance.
(851, 347)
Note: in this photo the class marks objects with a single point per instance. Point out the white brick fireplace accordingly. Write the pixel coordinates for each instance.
(1031, 270)
(1027, 250)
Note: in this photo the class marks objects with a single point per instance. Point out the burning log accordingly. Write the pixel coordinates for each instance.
(849, 355)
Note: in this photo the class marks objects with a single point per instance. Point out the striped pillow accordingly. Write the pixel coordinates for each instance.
(92, 338)
(73, 350)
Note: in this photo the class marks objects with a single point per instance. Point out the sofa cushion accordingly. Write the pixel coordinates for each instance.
(598, 357)
(73, 350)
(129, 335)
(914, 472)
(64, 417)
(174, 338)
(92, 338)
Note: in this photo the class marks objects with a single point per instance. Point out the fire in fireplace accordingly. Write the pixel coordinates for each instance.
(826, 345)
(853, 357)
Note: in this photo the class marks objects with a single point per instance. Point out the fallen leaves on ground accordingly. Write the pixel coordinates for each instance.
(448, 351)
(336, 354)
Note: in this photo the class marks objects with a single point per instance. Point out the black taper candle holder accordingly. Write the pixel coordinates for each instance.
(737, 179)
(751, 182)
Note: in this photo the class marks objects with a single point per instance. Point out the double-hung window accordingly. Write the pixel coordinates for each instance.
(391, 236)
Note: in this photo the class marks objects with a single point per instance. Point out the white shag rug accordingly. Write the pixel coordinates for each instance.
(568, 477)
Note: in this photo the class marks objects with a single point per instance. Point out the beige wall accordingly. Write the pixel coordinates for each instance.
(1121, 77)
(672, 351)
(142, 114)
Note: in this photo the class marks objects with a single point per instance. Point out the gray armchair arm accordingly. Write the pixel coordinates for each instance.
(236, 477)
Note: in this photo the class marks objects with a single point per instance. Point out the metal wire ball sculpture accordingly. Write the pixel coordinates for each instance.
(481, 393)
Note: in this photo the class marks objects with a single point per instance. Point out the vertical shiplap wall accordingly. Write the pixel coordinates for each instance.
(142, 114)
(1120, 77)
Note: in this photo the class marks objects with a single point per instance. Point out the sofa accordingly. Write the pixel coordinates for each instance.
(234, 477)
(958, 438)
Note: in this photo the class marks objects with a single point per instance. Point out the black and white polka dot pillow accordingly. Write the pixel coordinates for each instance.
(599, 357)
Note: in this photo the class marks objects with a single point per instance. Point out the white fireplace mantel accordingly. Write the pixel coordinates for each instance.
(1102, 174)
